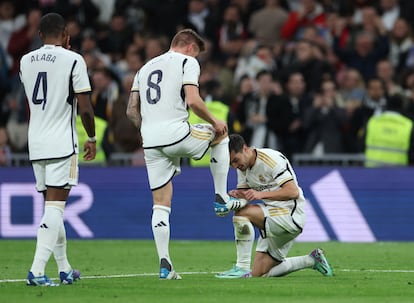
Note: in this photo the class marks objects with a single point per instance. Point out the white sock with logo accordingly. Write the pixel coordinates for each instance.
(219, 167)
(161, 230)
(47, 235)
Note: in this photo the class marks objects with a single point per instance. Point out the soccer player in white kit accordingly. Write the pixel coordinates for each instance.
(161, 91)
(55, 80)
(266, 174)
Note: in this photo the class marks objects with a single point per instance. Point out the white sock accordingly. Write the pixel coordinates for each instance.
(244, 236)
(47, 235)
(60, 251)
(290, 265)
(161, 230)
(219, 166)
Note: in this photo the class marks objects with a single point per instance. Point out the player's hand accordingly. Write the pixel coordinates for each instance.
(90, 151)
(236, 193)
(252, 194)
(220, 128)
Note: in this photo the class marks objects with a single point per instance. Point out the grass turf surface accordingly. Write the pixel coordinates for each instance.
(377, 272)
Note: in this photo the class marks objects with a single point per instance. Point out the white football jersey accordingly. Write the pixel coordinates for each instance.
(51, 75)
(160, 83)
(270, 171)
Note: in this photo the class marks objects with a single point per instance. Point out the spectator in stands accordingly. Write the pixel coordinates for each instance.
(314, 69)
(197, 16)
(155, 46)
(366, 54)
(401, 41)
(385, 71)
(243, 88)
(24, 40)
(90, 49)
(324, 122)
(10, 22)
(232, 33)
(351, 89)
(116, 37)
(294, 103)
(258, 59)
(310, 12)
(374, 103)
(131, 61)
(4, 87)
(390, 11)
(5, 150)
(162, 17)
(389, 138)
(104, 94)
(124, 131)
(265, 24)
(86, 12)
(75, 33)
(253, 113)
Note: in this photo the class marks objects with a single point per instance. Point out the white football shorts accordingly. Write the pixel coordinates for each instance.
(164, 162)
(60, 173)
(280, 232)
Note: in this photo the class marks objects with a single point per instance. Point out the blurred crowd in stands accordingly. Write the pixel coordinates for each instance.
(300, 76)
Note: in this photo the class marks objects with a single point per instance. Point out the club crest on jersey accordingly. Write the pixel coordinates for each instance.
(43, 57)
(262, 179)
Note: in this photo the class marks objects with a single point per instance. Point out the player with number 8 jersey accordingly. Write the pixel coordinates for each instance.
(51, 76)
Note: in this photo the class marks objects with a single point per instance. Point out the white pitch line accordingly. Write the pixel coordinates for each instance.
(210, 273)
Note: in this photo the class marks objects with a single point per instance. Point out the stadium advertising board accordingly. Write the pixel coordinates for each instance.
(344, 204)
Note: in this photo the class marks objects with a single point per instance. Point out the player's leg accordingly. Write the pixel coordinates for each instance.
(48, 229)
(244, 236)
(160, 170)
(278, 235)
(265, 265)
(161, 229)
(63, 172)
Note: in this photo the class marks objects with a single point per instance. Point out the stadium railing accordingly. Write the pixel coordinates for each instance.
(328, 160)
(137, 159)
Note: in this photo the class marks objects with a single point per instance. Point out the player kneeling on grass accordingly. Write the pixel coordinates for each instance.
(266, 174)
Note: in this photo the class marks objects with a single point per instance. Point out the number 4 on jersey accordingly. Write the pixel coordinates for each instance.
(39, 96)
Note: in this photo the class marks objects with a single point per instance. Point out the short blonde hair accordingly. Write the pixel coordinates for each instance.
(188, 36)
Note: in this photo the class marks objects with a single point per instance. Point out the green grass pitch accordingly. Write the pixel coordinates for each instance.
(126, 271)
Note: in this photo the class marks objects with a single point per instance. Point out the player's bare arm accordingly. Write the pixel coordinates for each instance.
(288, 191)
(198, 106)
(87, 116)
(133, 112)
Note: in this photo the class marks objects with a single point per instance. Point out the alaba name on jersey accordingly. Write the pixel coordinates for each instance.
(51, 76)
(270, 171)
(163, 109)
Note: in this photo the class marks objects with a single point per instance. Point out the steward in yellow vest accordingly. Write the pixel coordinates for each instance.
(388, 140)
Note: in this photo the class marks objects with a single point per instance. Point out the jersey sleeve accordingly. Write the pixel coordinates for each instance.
(80, 77)
(135, 84)
(191, 71)
(281, 172)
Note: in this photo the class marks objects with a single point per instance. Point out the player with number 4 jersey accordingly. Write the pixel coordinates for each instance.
(56, 82)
